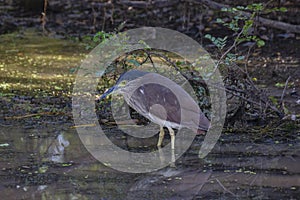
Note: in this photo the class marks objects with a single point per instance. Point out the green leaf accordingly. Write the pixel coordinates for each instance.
(179, 63)
(231, 56)
(74, 69)
(260, 43)
(283, 9)
(241, 57)
(134, 62)
(219, 20)
(43, 169)
(57, 88)
(145, 44)
(96, 39)
(273, 100)
(66, 164)
(280, 85)
(224, 9)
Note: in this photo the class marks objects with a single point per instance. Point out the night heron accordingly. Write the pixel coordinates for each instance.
(160, 100)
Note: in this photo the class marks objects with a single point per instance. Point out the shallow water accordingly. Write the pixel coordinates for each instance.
(41, 164)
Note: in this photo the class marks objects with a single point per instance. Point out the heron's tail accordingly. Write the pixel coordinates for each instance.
(204, 124)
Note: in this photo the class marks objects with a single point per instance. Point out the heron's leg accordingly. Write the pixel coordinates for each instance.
(172, 134)
(161, 155)
(172, 164)
(161, 136)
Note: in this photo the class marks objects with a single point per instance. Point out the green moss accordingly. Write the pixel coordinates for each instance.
(33, 63)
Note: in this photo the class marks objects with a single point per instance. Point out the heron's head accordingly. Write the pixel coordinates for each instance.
(123, 81)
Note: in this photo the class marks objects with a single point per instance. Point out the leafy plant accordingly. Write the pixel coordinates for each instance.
(237, 80)
(241, 25)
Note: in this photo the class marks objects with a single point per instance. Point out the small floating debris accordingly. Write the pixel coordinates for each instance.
(4, 145)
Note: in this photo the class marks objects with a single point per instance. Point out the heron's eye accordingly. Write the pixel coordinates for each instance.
(122, 83)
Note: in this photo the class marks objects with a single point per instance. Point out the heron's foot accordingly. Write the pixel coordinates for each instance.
(172, 165)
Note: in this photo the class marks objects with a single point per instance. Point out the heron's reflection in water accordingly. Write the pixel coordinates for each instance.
(171, 183)
(56, 149)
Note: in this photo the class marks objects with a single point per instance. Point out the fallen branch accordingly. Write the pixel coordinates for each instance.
(35, 114)
(263, 21)
(148, 4)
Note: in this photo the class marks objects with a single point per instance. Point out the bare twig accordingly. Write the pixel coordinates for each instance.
(283, 94)
(230, 48)
(224, 188)
(95, 19)
(104, 19)
(284, 90)
(35, 114)
(44, 16)
(6, 125)
(169, 62)
(149, 57)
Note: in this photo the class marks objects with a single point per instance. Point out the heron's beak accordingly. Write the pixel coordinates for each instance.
(107, 93)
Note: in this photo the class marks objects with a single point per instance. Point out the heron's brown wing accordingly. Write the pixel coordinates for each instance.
(146, 98)
(156, 89)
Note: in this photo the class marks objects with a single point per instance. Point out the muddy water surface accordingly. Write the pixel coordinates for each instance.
(38, 163)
